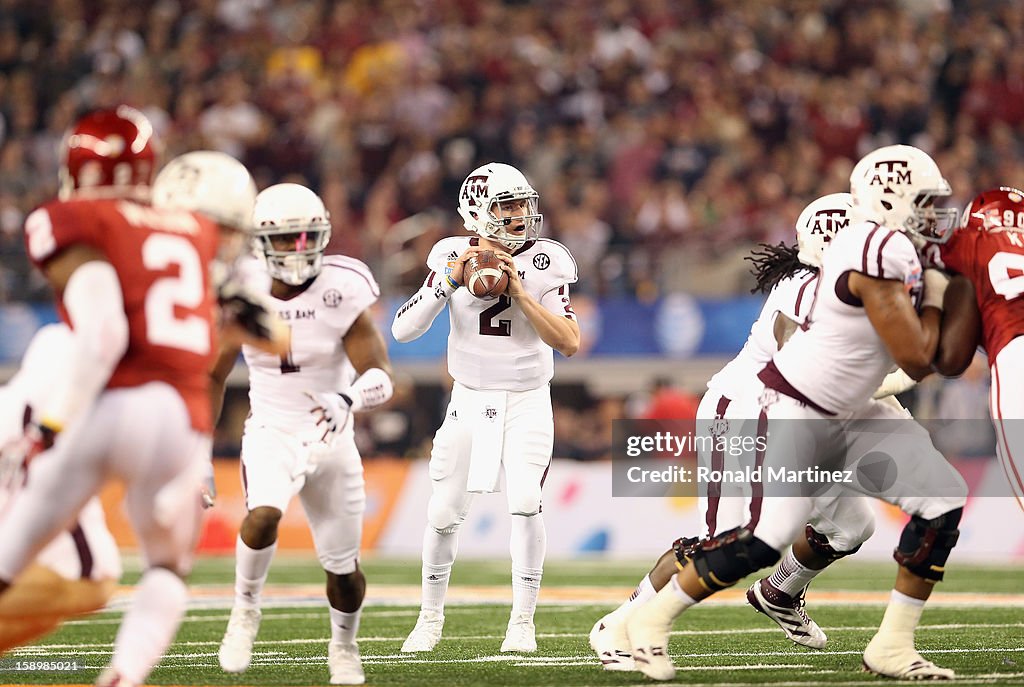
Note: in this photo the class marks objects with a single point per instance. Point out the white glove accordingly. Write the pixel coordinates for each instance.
(896, 382)
(935, 283)
(331, 410)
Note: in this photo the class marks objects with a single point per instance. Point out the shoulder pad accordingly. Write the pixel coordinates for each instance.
(562, 269)
(445, 251)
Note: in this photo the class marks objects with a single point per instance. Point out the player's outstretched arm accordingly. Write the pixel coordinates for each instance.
(961, 328)
(416, 315)
(368, 354)
(911, 339)
(365, 348)
(555, 329)
(222, 367)
(91, 293)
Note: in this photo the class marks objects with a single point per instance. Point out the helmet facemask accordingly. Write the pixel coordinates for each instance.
(513, 219)
(897, 186)
(294, 250)
(932, 224)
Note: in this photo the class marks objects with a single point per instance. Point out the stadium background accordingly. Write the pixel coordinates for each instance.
(666, 140)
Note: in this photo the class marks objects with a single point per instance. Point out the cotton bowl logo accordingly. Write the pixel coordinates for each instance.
(889, 173)
(679, 325)
(914, 285)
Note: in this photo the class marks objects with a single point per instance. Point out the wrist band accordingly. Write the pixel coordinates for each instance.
(451, 282)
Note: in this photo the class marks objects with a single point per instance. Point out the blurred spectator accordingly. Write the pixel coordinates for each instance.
(668, 402)
(665, 138)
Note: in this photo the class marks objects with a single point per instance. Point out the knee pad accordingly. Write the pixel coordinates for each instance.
(443, 517)
(342, 563)
(684, 548)
(820, 545)
(926, 544)
(526, 501)
(724, 560)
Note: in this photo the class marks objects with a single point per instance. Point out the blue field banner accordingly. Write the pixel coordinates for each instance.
(676, 326)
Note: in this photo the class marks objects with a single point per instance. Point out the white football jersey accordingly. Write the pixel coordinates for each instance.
(791, 297)
(492, 345)
(318, 318)
(836, 360)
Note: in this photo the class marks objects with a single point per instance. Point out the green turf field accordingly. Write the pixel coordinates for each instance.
(982, 638)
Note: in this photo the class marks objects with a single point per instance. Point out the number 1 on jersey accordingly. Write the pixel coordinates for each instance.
(287, 362)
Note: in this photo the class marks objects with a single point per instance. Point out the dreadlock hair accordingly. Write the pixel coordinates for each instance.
(772, 264)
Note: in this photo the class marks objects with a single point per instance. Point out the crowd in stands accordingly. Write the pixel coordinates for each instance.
(665, 137)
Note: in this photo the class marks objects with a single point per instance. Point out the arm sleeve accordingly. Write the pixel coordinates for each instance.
(371, 389)
(95, 308)
(557, 301)
(418, 313)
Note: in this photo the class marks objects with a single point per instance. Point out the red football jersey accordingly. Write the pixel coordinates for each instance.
(162, 259)
(994, 262)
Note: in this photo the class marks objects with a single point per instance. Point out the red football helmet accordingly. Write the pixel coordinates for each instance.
(108, 148)
(994, 210)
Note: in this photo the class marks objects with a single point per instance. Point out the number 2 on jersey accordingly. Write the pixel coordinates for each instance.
(1006, 272)
(504, 327)
(186, 290)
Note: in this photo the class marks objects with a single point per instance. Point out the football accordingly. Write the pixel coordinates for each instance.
(485, 278)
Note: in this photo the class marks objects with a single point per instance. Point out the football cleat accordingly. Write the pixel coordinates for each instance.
(109, 677)
(648, 639)
(609, 641)
(344, 664)
(426, 634)
(236, 647)
(520, 637)
(901, 663)
(788, 612)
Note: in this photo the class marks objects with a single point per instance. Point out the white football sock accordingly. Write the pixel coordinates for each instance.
(665, 607)
(528, 545)
(344, 626)
(791, 576)
(438, 556)
(150, 624)
(902, 616)
(251, 569)
(643, 593)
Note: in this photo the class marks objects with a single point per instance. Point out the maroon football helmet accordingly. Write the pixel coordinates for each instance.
(108, 148)
(997, 209)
